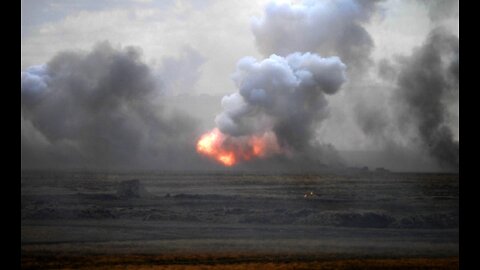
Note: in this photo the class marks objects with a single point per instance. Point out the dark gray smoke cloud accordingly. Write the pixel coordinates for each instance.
(418, 117)
(427, 84)
(324, 27)
(100, 109)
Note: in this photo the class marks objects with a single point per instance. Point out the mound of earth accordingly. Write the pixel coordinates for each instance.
(131, 189)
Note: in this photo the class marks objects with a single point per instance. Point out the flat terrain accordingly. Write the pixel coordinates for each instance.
(230, 261)
(239, 221)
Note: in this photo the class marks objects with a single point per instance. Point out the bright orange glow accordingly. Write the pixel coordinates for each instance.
(227, 159)
(207, 141)
(258, 146)
(230, 150)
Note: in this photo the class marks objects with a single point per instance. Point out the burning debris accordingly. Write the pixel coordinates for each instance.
(309, 194)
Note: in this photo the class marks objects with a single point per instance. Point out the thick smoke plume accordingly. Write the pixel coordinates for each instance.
(418, 113)
(100, 109)
(282, 96)
(427, 83)
(324, 27)
(285, 93)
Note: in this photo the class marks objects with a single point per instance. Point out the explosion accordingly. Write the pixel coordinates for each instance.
(279, 99)
(229, 150)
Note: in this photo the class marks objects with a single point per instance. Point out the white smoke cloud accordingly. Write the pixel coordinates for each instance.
(283, 94)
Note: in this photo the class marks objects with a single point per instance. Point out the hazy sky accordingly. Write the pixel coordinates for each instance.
(192, 47)
(219, 31)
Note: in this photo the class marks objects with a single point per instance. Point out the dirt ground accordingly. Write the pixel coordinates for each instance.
(229, 261)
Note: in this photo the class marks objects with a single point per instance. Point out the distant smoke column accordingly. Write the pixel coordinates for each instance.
(285, 95)
(426, 83)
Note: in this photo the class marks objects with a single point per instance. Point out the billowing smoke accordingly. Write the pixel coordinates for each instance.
(284, 96)
(420, 114)
(414, 115)
(427, 84)
(100, 109)
(104, 108)
(286, 93)
(332, 27)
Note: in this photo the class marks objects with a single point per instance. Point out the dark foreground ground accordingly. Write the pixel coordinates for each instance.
(231, 261)
(239, 221)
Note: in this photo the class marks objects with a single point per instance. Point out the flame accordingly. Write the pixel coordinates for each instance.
(230, 150)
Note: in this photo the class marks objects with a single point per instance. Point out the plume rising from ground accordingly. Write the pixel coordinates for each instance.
(281, 98)
(427, 84)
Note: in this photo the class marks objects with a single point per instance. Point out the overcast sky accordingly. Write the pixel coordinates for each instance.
(192, 47)
(218, 30)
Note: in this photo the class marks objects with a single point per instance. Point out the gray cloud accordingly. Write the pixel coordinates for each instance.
(416, 117)
(440, 10)
(425, 84)
(100, 109)
(180, 74)
(324, 27)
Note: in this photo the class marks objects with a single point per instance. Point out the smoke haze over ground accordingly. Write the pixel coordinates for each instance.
(347, 82)
(98, 109)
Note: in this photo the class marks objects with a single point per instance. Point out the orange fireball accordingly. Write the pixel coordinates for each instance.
(230, 150)
(210, 144)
